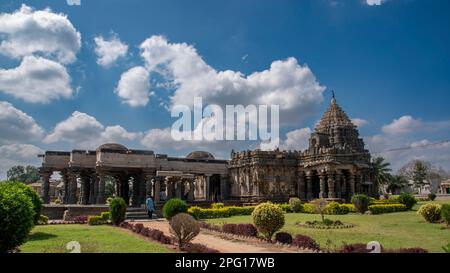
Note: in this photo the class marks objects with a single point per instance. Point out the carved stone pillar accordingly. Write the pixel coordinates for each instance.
(191, 190)
(344, 188)
(149, 185)
(157, 191)
(45, 176)
(301, 186)
(338, 184)
(309, 193)
(101, 197)
(207, 188)
(84, 190)
(322, 181)
(92, 198)
(72, 188)
(331, 188)
(351, 182)
(65, 180)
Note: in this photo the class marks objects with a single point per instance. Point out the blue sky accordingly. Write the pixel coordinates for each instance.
(388, 62)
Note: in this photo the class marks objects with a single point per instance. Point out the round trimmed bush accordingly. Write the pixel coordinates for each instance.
(295, 204)
(117, 210)
(430, 212)
(173, 207)
(445, 213)
(35, 199)
(361, 202)
(16, 216)
(283, 237)
(268, 219)
(407, 199)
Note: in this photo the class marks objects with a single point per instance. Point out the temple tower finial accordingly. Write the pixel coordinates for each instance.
(333, 97)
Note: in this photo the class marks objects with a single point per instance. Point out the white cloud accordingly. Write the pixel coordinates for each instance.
(408, 132)
(359, 122)
(286, 83)
(36, 80)
(73, 2)
(26, 32)
(87, 132)
(134, 86)
(374, 2)
(16, 125)
(108, 51)
(17, 154)
(296, 140)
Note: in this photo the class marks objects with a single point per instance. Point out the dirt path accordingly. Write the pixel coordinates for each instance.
(221, 244)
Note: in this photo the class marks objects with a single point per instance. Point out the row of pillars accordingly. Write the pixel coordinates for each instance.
(332, 184)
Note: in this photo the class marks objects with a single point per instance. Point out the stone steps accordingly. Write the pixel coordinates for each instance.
(138, 213)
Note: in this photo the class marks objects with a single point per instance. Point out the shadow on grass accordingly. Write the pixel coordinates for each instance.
(40, 236)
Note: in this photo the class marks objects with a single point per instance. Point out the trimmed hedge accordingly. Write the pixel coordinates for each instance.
(386, 208)
(95, 220)
(173, 207)
(201, 213)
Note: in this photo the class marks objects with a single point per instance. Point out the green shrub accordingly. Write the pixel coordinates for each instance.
(16, 216)
(407, 199)
(217, 205)
(334, 208)
(43, 220)
(361, 202)
(432, 196)
(106, 216)
(445, 213)
(309, 208)
(295, 204)
(285, 207)
(117, 210)
(173, 207)
(35, 199)
(268, 219)
(430, 212)
(201, 213)
(386, 208)
(95, 220)
(349, 207)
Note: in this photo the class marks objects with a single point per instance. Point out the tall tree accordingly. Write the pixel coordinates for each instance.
(25, 174)
(382, 170)
(419, 174)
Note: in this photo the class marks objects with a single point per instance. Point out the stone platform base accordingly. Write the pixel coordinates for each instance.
(56, 212)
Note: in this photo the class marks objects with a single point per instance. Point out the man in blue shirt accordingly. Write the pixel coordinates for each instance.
(150, 206)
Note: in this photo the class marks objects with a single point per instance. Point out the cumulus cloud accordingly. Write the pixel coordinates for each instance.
(36, 80)
(405, 139)
(73, 2)
(359, 122)
(286, 83)
(87, 132)
(27, 31)
(374, 2)
(17, 154)
(109, 51)
(16, 125)
(133, 87)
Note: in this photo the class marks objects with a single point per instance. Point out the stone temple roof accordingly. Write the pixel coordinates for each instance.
(112, 146)
(334, 116)
(200, 155)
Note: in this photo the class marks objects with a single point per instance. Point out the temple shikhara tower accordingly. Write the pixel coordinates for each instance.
(335, 166)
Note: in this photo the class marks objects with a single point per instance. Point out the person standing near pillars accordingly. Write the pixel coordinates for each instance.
(150, 206)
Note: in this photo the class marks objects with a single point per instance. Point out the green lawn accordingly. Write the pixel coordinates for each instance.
(53, 239)
(393, 230)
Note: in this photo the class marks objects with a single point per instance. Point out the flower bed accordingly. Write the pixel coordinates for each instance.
(327, 224)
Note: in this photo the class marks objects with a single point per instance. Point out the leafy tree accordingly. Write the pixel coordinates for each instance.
(25, 174)
(396, 183)
(419, 174)
(382, 170)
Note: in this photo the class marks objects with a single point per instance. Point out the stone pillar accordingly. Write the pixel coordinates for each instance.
(191, 190)
(351, 182)
(309, 193)
(135, 197)
(157, 191)
(92, 183)
(149, 185)
(224, 187)
(344, 188)
(322, 193)
(72, 199)
(65, 180)
(331, 188)
(301, 186)
(84, 190)
(45, 176)
(170, 188)
(338, 184)
(179, 188)
(101, 197)
(207, 188)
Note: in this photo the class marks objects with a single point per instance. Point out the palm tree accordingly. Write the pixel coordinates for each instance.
(382, 170)
(396, 182)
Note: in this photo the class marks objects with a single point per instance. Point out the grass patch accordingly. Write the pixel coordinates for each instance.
(93, 239)
(392, 230)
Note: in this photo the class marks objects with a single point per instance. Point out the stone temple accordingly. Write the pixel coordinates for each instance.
(335, 166)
